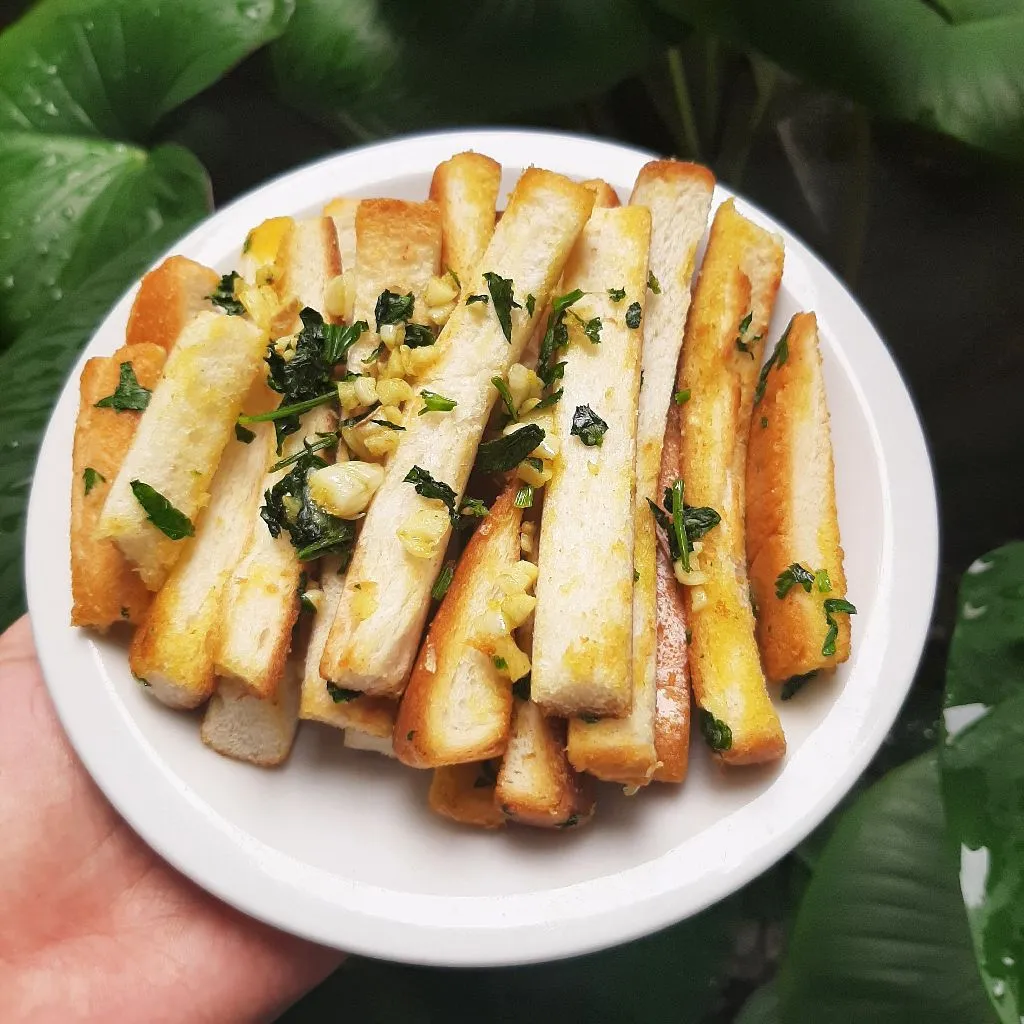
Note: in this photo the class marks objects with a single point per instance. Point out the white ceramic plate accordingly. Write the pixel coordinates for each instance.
(338, 846)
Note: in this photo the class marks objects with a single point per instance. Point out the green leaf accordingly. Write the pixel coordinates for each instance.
(881, 934)
(34, 370)
(371, 67)
(72, 204)
(900, 58)
(170, 521)
(506, 452)
(129, 393)
(982, 764)
(114, 68)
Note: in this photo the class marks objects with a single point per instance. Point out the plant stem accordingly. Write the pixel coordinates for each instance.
(684, 106)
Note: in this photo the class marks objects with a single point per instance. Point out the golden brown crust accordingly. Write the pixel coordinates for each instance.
(536, 784)
(740, 277)
(791, 510)
(104, 588)
(661, 170)
(672, 712)
(465, 189)
(168, 297)
(464, 793)
(604, 195)
(426, 731)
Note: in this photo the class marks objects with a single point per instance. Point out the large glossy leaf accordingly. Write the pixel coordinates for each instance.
(982, 764)
(901, 58)
(67, 205)
(375, 66)
(33, 371)
(113, 68)
(881, 934)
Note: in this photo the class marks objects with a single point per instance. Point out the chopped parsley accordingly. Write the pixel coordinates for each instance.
(338, 340)
(592, 329)
(556, 336)
(161, 513)
(479, 297)
(327, 439)
(427, 487)
(433, 402)
(506, 396)
(506, 452)
(822, 581)
(794, 684)
(129, 395)
(682, 523)
(717, 734)
(224, 295)
(831, 606)
(340, 695)
(531, 304)
(443, 581)
(681, 397)
(392, 308)
(745, 346)
(388, 425)
(244, 434)
(92, 477)
(571, 822)
(502, 300)
(500, 664)
(374, 355)
(792, 576)
(588, 426)
(779, 355)
(313, 532)
(448, 272)
(589, 718)
(524, 496)
(616, 294)
(473, 508)
(634, 315)
(419, 336)
(652, 283)
(549, 400)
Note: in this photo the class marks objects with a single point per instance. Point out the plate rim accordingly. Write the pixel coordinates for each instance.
(255, 883)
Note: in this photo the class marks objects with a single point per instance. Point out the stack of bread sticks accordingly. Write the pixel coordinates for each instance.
(513, 496)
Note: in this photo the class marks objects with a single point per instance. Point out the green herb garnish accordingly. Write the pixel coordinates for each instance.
(743, 345)
(443, 581)
(506, 452)
(717, 734)
(479, 297)
(822, 581)
(779, 355)
(161, 513)
(374, 355)
(831, 606)
(524, 496)
(793, 575)
(589, 718)
(340, 695)
(588, 426)
(503, 301)
(681, 397)
(339, 339)
(652, 283)
(433, 402)
(616, 294)
(327, 439)
(549, 400)
(506, 396)
(455, 277)
(500, 664)
(427, 487)
(556, 336)
(419, 336)
(224, 295)
(388, 425)
(392, 308)
(244, 434)
(682, 523)
(531, 304)
(92, 477)
(794, 684)
(473, 508)
(521, 687)
(129, 395)
(634, 315)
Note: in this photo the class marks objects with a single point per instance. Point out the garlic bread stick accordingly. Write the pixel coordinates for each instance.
(465, 189)
(165, 477)
(732, 306)
(583, 623)
(458, 704)
(104, 588)
(465, 793)
(168, 298)
(398, 248)
(679, 197)
(374, 652)
(793, 546)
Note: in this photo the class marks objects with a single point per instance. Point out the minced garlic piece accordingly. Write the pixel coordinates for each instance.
(339, 295)
(393, 391)
(424, 531)
(524, 385)
(345, 489)
(440, 291)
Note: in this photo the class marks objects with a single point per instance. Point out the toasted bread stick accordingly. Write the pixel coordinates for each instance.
(309, 259)
(167, 299)
(791, 510)
(374, 716)
(104, 588)
(457, 705)
(679, 197)
(583, 622)
(465, 189)
(536, 784)
(343, 212)
(181, 436)
(465, 793)
(173, 649)
(398, 247)
(529, 247)
(732, 302)
(248, 728)
(672, 678)
(604, 195)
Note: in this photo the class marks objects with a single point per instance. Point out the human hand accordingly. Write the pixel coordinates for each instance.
(94, 926)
